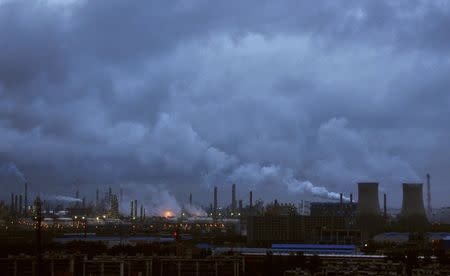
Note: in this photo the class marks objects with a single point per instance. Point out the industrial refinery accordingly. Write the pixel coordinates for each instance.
(343, 230)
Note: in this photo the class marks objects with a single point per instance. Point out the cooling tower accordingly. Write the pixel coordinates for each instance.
(412, 200)
(368, 199)
(413, 216)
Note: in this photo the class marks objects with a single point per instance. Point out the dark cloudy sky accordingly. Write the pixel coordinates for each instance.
(289, 98)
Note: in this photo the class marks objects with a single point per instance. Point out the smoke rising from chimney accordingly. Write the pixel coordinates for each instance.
(11, 168)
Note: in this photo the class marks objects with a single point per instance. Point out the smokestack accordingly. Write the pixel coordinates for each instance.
(20, 204)
(96, 197)
(109, 196)
(215, 201)
(142, 213)
(131, 210)
(233, 198)
(190, 199)
(251, 200)
(77, 193)
(384, 206)
(240, 206)
(368, 203)
(429, 209)
(16, 204)
(351, 198)
(340, 199)
(135, 208)
(12, 203)
(26, 198)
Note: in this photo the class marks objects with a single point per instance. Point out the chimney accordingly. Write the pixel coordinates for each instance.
(26, 198)
(16, 203)
(12, 203)
(340, 199)
(385, 206)
(351, 198)
(20, 204)
(142, 213)
(429, 208)
(215, 201)
(240, 206)
(368, 199)
(233, 198)
(109, 196)
(131, 210)
(190, 199)
(135, 208)
(96, 197)
(251, 200)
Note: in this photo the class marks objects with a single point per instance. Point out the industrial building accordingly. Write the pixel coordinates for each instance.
(268, 229)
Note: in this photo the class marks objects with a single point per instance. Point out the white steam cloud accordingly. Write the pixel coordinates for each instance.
(68, 199)
(12, 169)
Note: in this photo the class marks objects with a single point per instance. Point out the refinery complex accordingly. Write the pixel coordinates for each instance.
(249, 231)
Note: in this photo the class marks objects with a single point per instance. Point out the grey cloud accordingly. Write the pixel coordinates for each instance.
(180, 96)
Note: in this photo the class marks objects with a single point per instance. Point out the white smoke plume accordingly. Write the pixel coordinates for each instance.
(156, 200)
(271, 176)
(68, 199)
(194, 210)
(11, 168)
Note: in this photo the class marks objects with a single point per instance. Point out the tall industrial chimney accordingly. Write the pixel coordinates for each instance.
(215, 201)
(141, 215)
(240, 205)
(96, 198)
(190, 199)
(109, 196)
(368, 203)
(233, 198)
(20, 204)
(16, 203)
(384, 206)
(120, 195)
(26, 198)
(351, 198)
(251, 199)
(429, 208)
(131, 210)
(135, 208)
(12, 203)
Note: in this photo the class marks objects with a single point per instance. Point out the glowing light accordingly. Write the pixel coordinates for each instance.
(168, 214)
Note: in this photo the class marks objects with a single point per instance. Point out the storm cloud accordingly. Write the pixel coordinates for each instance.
(292, 99)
